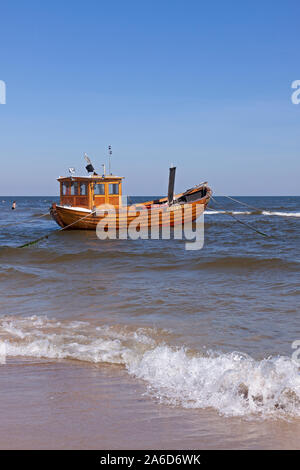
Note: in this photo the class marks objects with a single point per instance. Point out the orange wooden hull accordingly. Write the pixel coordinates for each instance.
(146, 215)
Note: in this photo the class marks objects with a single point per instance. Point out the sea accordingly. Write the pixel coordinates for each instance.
(142, 344)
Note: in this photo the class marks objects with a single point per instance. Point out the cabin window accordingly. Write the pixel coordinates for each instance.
(99, 189)
(83, 189)
(65, 189)
(74, 188)
(114, 188)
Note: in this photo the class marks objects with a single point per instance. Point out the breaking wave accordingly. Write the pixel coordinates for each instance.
(212, 212)
(258, 212)
(234, 384)
(282, 214)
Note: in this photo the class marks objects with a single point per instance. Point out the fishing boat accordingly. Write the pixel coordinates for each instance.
(87, 200)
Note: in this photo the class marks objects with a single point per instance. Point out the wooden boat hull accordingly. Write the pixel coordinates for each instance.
(148, 214)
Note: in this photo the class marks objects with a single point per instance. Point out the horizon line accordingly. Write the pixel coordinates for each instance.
(157, 196)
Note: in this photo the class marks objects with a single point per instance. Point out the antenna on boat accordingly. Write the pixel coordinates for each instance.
(109, 159)
(172, 172)
(89, 168)
(72, 171)
(103, 166)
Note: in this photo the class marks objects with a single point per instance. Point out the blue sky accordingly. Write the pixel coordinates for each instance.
(203, 85)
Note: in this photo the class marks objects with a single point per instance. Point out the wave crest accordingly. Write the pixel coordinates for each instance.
(234, 384)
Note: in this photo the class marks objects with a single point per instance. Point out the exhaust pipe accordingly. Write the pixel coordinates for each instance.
(171, 184)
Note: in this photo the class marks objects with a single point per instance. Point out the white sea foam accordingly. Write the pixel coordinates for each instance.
(268, 213)
(207, 212)
(282, 214)
(2, 353)
(234, 384)
(212, 212)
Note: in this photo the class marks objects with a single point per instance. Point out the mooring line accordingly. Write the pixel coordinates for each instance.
(244, 203)
(55, 231)
(24, 221)
(240, 221)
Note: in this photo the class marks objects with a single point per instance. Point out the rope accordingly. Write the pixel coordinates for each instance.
(25, 221)
(240, 221)
(243, 203)
(211, 209)
(56, 231)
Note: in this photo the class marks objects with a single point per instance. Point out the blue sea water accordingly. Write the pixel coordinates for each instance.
(208, 329)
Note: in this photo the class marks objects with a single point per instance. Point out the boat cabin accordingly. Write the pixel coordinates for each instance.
(90, 191)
